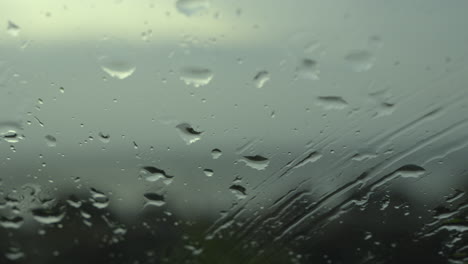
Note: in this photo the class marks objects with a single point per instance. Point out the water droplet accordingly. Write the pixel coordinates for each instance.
(196, 76)
(360, 60)
(153, 174)
(105, 138)
(216, 153)
(410, 171)
(331, 102)
(47, 216)
(62, 90)
(261, 78)
(14, 222)
(192, 7)
(208, 172)
(154, 199)
(14, 253)
(256, 162)
(188, 134)
(9, 132)
(13, 29)
(117, 67)
(308, 69)
(238, 190)
(51, 141)
(99, 199)
(375, 41)
(74, 202)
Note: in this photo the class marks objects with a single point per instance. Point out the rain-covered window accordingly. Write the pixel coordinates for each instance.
(220, 131)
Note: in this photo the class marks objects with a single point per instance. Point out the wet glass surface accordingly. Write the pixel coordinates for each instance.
(203, 131)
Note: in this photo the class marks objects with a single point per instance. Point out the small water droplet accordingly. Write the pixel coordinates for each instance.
(13, 29)
(51, 141)
(188, 134)
(62, 90)
(208, 172)
(154, 199)
(117, 67)
(192, 7)
(331, 102)
(216, 153)
(360, 60)
(256, 162)
(261, 78)
(196, 76)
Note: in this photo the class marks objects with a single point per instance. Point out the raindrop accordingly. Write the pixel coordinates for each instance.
(238, 190)
(153, 174)
(14, 253)
(8, 131)
(105, 138)
(308, 69)
(99, 199)
(117, 67)
(410, 171)
(196, 76)
(216, 153)
(188, 134)
(208, 172)
(154, 199)
(331, 102)
(13, 29)
(47, 216)
(13, 222)
(360, 60)
(261, 78)
(375, 41)
(192, 7)
(51, 141)
(256, 162)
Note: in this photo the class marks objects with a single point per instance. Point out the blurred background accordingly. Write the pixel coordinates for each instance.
(216, 131)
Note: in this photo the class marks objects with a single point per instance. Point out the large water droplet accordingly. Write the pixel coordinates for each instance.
(360, 60)
(308, 69)
(117, 67)
(196, 76)
(9, 132)
(14, 222)
(238, 190)
(47, 216)
(51, 141)
(216, 153)
(256, 162)
(13, 29)
(154, 199)
(410, 171)
(192, 7)
(261, 78)
(188, 134)
(331, 102)
(153, 174)
(14, 253)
